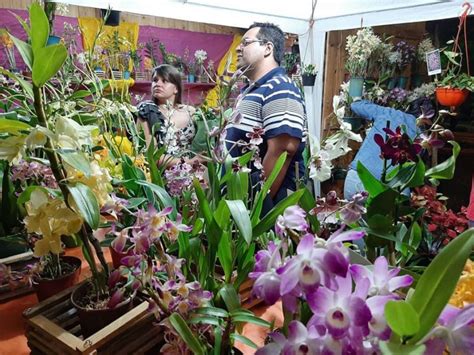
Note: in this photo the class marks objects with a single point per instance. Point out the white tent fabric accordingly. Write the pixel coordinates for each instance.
(294, 17)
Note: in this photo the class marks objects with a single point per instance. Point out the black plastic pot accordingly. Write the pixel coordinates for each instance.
(113, 19)
(93, 320)
(308, 80)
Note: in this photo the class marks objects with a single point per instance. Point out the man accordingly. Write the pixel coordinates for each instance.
(270, 106)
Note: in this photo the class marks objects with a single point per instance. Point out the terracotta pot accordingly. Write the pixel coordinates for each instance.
(46, 288)
(93, 320)
(451, 96)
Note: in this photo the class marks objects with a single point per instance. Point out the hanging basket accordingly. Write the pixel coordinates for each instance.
(308, 80)
(451, 96)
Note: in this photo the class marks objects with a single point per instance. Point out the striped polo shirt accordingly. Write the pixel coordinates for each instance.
(275, 104)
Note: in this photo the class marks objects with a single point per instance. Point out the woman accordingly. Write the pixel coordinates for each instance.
(166, 118)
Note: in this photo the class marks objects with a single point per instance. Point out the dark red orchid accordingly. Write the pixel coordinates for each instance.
(398, 148)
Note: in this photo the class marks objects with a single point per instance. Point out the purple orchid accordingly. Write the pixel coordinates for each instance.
(267, 281)
(304, 269)
(337, 312)
(455, 330)
(353, 211)
(382, 281)
(293, 218)
(301, 340)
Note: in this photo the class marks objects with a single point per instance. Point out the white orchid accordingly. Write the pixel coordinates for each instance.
(70, 134)
(11, 148)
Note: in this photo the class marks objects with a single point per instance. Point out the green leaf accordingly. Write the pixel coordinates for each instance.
(224, 252)
(250, 318)
(213, 311)
(26, 86)
(203, 203)
(241, 217)
(258, 205)
(13, 126)
(185, 332)
(401, 349)
(25, 195)
(39, 29)
(307, 202)
(87, 204)
(230, 297)
(196, 319)
(25, 51)
(445, 170)
(217, 340)
(48, 61)
(372, 185)
(269, 220)
(243, 340)
(77, 160)
(162, 195)
(402, 318)
(439, 280)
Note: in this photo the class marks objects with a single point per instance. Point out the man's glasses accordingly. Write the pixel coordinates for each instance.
(245, 42)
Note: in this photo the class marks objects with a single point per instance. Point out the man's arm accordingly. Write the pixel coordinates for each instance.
(276, 146)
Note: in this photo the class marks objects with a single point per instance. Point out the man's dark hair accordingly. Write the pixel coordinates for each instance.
(270, 32)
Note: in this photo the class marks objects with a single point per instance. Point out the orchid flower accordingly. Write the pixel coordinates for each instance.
(382, 280)
(293, 218)
(455, 330)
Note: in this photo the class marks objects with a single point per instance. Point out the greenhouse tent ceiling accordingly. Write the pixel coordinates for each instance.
(293, 16)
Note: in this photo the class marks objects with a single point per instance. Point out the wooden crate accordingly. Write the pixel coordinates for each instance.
(16, 263)
(52, 327)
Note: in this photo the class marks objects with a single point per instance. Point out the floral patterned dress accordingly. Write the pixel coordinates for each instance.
(176, 140)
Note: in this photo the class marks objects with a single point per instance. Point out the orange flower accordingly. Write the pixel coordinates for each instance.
(464, 292)
(147, 63)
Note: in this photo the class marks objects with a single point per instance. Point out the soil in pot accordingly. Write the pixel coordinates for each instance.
(93, 314)
(47, 287)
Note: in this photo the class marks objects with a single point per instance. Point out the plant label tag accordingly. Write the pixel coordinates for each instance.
(433, 62)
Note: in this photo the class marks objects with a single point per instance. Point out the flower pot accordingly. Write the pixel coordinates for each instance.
(392, 83)
(450, 96)
(308, 80)
(416, 81)
(46, 288)
(356, 86)
(92, 320)
(113, 19)
(53, 40)
(356, 123)
(402, 82)
(191, 78)
(126, 75)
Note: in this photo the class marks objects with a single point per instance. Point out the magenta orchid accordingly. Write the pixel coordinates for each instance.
(382, 281)
(293, 218)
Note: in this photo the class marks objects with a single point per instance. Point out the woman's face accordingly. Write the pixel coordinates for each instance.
(163, 90)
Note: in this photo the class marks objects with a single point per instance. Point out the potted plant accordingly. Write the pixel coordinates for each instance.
(406, 55)
(455, 86)
(359, 48)
(200, 57)
(308, 74)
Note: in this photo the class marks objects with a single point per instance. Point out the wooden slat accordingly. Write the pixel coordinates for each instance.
(61, 336)
(121, 324)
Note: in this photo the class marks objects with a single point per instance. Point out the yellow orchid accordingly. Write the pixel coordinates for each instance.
(49, 218)
(123, 145)
(98, 181)
(464, 292)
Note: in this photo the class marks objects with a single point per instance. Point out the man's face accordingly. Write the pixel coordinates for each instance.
(251, 50)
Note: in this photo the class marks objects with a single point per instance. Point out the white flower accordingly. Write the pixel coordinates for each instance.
(38, 137)
(11, 148)
(71, 134)
(200, 55)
